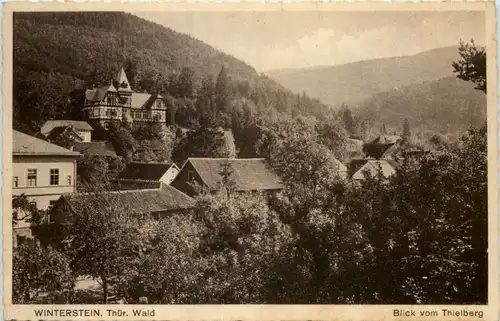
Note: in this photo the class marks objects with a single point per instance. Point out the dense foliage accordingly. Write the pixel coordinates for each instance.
(472, 65)
(419, 236)
(38, 269)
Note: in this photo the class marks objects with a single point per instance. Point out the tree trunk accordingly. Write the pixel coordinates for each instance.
(105, 289)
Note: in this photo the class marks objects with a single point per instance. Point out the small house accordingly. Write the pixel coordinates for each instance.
(247, 174)
(82, 128)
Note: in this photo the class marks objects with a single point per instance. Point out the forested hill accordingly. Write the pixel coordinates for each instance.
(445, 105)
(87, 45)
(58, 55)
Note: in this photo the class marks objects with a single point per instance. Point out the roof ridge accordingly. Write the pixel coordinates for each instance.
(228, 158)
(151, 163)
(122, 191)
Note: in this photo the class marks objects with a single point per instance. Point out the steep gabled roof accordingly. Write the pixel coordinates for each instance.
(250, 174)
(95, 148)
(122, 80)
(75, 124)
(141, 100)
(142, 201)
(26, 145)
(145, 171)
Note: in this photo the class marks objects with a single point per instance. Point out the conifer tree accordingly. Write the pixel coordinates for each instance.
(222, 96)
(406, 129)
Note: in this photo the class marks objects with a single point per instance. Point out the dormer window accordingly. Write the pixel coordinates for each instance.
(112, 99)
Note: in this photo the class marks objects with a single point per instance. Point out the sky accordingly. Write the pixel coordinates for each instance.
(290, 39)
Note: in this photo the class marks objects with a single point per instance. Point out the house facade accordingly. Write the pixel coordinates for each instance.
(42, 172)
(81, 128)
(111, 103)
(247, 174)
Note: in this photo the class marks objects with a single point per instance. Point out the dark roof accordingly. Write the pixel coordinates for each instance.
(76, 124)
(163, 199)
(23, 144)
(95, 148)
(58, 131)
(250, 174)
(127, 184)
(145, 171)
(356, 164)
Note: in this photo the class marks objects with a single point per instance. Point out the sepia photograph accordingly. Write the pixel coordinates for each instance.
(335, 157)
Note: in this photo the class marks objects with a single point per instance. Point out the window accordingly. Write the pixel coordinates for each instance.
(54, 176)
(15, 181)
(190, 176)
(69, 179)
(21, 239)
(111, 99)
(31, 177)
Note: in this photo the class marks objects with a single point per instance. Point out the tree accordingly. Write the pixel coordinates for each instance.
(107, 236)
(222, 96)
(242, 244)
(122, 141)
(347, 118)
(25, 210)
(96, 168)
(472, 65)
(38, 269)
(228, 182)
(171, 272)
(185, 83)
(406, 130)
(332, 134)
(205, 140)
(383, 130)
(150, 131)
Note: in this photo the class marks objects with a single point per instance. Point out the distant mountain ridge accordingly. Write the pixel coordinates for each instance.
(354, 82)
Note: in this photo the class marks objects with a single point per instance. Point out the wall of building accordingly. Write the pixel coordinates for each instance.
(86, 135)
(169, 176)
(43, 192)
(181, 181)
